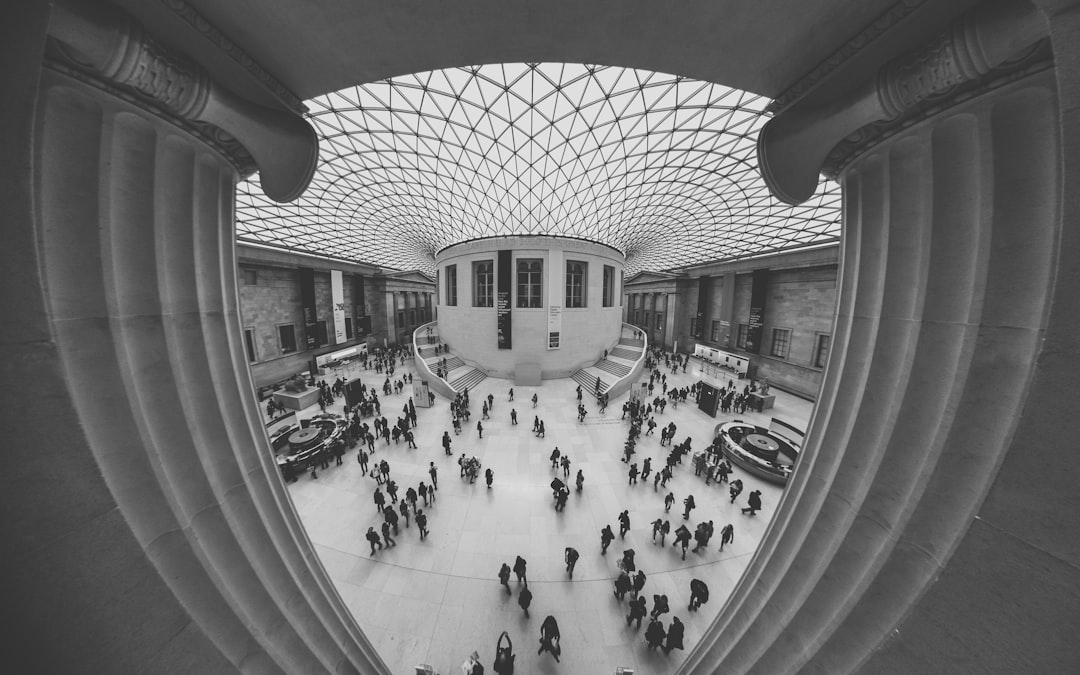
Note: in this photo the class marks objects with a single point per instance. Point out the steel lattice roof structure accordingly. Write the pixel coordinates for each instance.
(661, 167)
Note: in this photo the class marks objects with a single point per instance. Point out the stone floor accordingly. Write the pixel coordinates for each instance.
(434, 602)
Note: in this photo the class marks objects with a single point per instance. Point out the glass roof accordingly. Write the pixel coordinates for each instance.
(661, 167)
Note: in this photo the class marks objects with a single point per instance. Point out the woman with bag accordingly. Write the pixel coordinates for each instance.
(549, 638)
(504, 656)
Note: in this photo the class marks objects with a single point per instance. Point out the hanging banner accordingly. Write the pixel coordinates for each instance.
(503, 284)
(307, 303)
(554, 326)
(756, 321)
(337, 298)
(555, 278)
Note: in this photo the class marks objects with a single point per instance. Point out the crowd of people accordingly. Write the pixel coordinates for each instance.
(400, 505)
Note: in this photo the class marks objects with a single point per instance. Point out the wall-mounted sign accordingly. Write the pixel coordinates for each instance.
(503, 317)
(554, 326)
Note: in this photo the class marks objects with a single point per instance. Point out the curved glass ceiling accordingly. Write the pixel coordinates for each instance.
(661, 167)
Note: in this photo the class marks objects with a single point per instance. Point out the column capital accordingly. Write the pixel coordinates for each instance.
(103, 45)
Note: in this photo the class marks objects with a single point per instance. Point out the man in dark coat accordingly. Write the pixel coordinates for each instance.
(699, 594)
(674, 635)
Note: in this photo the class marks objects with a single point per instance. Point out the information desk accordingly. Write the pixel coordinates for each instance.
(733, 362)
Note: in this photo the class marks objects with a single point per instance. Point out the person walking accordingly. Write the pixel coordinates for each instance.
(513, 416)
(535, 398)
(660, 606)
(654, 634)
(421, 523)
(446, 442)
(646, 468)
(489, 476)
(606, 537)
(390, 543)
(638, 610)
(753, 502)
(524, 600)
(380, 500)
(633, 473)
(674, 635)
(682, 536)
(519, 570)
(690, 505)
(433, 472)
(549, 638)
(570, 555)
(624, 524)
(480, 428)
(363, 459)
(511, 393)
(504, 577)
(580, 480)
(373, 538)
(423, 490)
(639, 583)
(541, 432)
(565, 466)
(699, 594)
(664, 530)
(622, 585)
(727, 535)
(735, 489)
(656, 526)
(391, 489)
(668, 501)
(403, 507)
(504, 656)
(555, 458)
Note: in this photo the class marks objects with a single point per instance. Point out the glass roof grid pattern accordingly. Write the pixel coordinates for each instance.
(661, 167)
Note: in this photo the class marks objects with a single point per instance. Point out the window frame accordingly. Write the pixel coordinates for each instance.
(450, 272)
(608, 295)
(479, 296)
(574, 283)
(694, 321)
(527, 301)
(250, 346)
(281, 342)
(714, 331)
(742, 335)
(780, 349)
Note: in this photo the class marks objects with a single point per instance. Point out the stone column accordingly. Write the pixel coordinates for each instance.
(147, 526)
(921, 531)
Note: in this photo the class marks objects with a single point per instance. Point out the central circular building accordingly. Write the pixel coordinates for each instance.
(529, 308)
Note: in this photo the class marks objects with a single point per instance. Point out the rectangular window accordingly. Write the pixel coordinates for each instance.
(348, 328)
(484, 284)
(744, 332)
(658, 320)
(821, 353)
(401, 318)
(714, 334)
(575, 284)
(694, 326)
(609, 286)
(249, 343)
(529, 280)
(781, 339)
(451, 285)
(287, 338)
(320, 333)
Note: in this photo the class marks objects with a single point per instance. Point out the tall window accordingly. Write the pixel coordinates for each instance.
(744, 331)
(320, 333)
(529, 279)
(781, 340)
(287, 338)
(658, 320)
(348, 328)
(484, 284)
(694, 330)
(821, 353)
(714, 334)
(451, 285)
(575, 284)
(609, 286)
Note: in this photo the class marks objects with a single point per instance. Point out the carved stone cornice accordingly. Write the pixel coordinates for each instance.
(230, 148)
(793, 146)
(209, 31)
(850, 49)
(104, 43)
(1035, 59)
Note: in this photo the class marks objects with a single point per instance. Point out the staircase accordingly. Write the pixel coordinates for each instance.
(459, 375)
(616, 365)
(467, 378)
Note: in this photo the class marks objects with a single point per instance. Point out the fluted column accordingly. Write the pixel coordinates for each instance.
(952, 252)
(162, 538)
